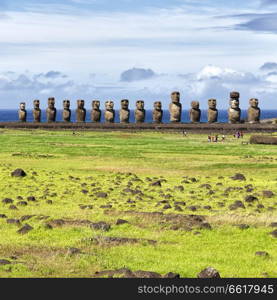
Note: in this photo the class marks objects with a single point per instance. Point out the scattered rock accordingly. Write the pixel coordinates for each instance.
(126, 273)
(49, 202)
(25, 218)
(13, 207)
(209, 273)
(267, 194)
(100, 226)
(236, 204)
(31, 198)
(101, 195)
(22, 203)
(73, 251)
(172, 275)
(3, 216)
(25, 229)
(121, 221)
(250, 198)
(243, 226)
(13, 221)
(167, 206)
(121, 240)
(273, 224)
(274, 233)
(238, 176)
(262, 253)
(106, 206)
(206, 186)
(4, 262)
(7, 201)
(18, 173)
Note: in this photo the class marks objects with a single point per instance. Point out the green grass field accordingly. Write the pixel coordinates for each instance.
(66, 172)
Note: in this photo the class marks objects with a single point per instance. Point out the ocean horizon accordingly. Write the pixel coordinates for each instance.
(11, 115)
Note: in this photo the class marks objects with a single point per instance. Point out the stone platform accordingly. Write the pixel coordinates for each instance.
(206, 128)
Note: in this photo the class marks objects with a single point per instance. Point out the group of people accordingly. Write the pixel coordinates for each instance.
(215, 138)
(238, 134)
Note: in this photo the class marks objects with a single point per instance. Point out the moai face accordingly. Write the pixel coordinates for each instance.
(66, 104)
(140, 105)
(212, 103)
(124, 104)
(95, 104)
(80, 104)
(254, 102)
(195, 104)
(234, 103)
(51, 103)
(36, 104)
(175, 97)
(158, 105)
(235, 95)
(109, 105)
(22, 106)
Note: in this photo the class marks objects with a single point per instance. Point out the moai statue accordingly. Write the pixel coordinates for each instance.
(140, 112)
(124, 114)
(212, 111)
(51, 110)
(234, 111)
(80, 111)
(175, 108)
(96, 112)
(157, 113)
(22, 113)
(66, 111)
(36, 111)
(109, 113)
(195, 112)
(254, 111)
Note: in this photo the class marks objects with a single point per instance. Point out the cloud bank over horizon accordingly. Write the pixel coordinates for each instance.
(138, 50)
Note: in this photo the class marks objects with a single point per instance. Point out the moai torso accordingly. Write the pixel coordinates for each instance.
(140, 112)
(234, 112)
(109, 112)
(157, 113)
(195, 112)
(22, 113)
(212, 111)
(36, 111)
(51, 110)
(175, 108)
(254, 112)
(66, 111)
(80, 111)
(124, 113)
(96, 112)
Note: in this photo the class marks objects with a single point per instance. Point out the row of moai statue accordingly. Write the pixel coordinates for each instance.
(175, 109)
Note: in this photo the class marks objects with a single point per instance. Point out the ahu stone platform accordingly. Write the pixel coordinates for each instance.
(207, 128)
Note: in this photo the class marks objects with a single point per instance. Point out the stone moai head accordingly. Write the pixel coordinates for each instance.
(36, 104)
(51, 103)
(254, 102)
(140, 105)
(95, 104)
(22, 106)
(66, 104)
(158, 105)
(175, 97)
(234, 100)
(212, 103)
(109, 105)
(195, 105)
(80, 104)
(124, 104)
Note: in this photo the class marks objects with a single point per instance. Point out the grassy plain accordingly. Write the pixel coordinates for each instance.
(71, 169)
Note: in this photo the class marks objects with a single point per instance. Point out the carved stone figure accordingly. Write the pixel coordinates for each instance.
(109, 113)
(80, 111)
(66, 111)
(96, 112)
(175, 108)
(254, 111)
(51, 110)
(140, 112)
(234, 112)
(157, 113)
(124, 113)
(212, 111)
(36, 111)
(22, 113)
(195, 112)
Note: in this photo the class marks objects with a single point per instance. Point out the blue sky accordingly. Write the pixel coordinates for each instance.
(104, 49)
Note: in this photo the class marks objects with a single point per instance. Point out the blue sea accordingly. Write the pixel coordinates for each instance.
(9, 115)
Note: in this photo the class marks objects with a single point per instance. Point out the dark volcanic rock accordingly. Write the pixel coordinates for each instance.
(101, 195)
(121, 221)
(4, 262)
(262, 253)
(238, 176)
(13, 207)
(100, 226)
(25, 229)
(121, 240)
(209, 273)
(274, 233)
(236, 204)
(25, 218)
(206, 186)
(250, 198)
(273, 224)
(268, 194)
(156, 183)
(3, 216)
(22, 203)
(172, 275)
(31, 198)
(13, 221)
(7, 201)
(243, 226)
(73, 251)
(18, 173)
